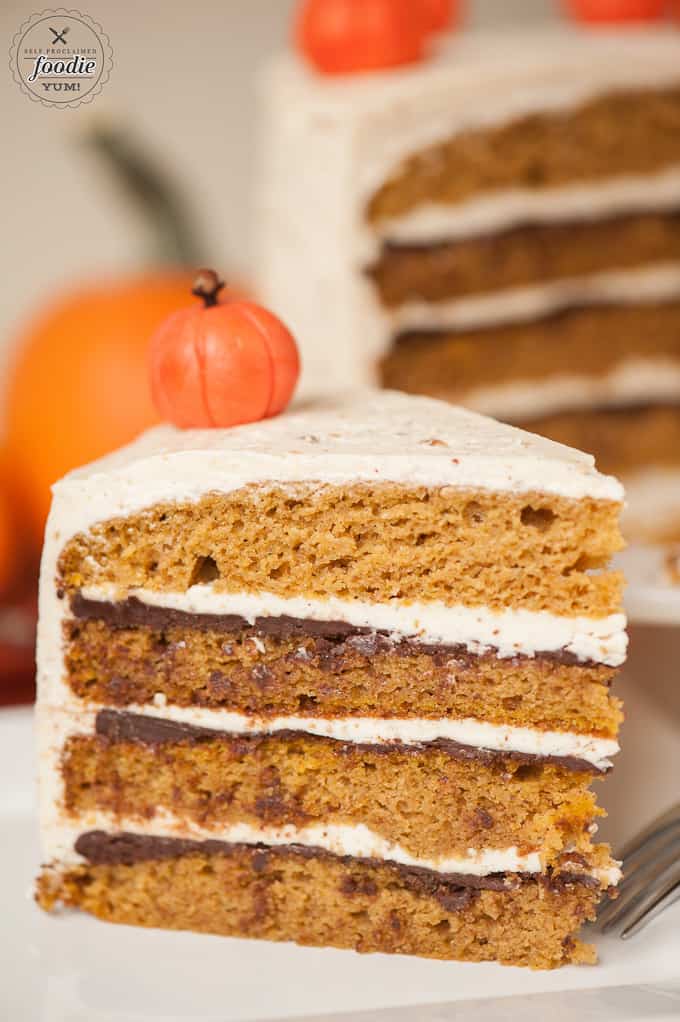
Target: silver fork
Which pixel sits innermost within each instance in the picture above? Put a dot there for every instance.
(651, 877)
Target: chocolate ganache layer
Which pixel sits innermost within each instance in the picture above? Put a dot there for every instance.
(121, 726)
(453, 890)
(134, 613)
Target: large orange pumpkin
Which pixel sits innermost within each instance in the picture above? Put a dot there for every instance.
(79, 386)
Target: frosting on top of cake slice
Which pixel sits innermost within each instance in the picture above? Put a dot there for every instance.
(374, 436)
(473, 80)
(475, 63)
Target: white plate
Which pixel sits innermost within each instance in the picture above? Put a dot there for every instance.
(650, 598)
(72, 968)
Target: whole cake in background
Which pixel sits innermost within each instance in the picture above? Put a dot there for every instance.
(498, 226)
(339, 677)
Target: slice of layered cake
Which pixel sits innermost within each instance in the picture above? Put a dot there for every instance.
(341, 677)
(499, 227)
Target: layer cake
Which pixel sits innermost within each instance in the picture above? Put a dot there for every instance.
(498, 227)
(341, 677)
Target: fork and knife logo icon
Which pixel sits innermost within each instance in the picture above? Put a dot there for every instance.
(58, 36)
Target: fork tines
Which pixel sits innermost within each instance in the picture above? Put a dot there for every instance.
(651, 868)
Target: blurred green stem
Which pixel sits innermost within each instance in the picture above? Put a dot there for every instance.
(174, 240)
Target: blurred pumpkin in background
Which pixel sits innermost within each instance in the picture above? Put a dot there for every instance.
(78, 387)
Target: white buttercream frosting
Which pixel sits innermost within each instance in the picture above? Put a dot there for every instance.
(476, 734)
(338, 838)
(506, 633)
(633, 381)
(341, 839)
(658, 282)
(473, 733)
(431, 222)
(365, 436)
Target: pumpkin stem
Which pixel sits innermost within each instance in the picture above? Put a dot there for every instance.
(207, 285)
(146, 184)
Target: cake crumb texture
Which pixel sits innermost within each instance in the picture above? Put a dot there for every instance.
(373, 543)
(633, 131)
(522, 256)
(424, 798)
(278, 895)
(268, 676)
(453, 364)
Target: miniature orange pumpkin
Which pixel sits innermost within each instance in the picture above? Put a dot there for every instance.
(78, 387)
(339, 36)
(221, 364)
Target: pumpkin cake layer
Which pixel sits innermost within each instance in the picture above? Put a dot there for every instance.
(629, 132)
(121, 657)
(376, 543)
(528, 254)
(562, 353)
(363, 649)
(438, 800)
(268, 893)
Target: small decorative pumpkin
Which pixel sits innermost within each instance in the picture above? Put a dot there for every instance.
(222, 364)
(601, 11)
(340, 36)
